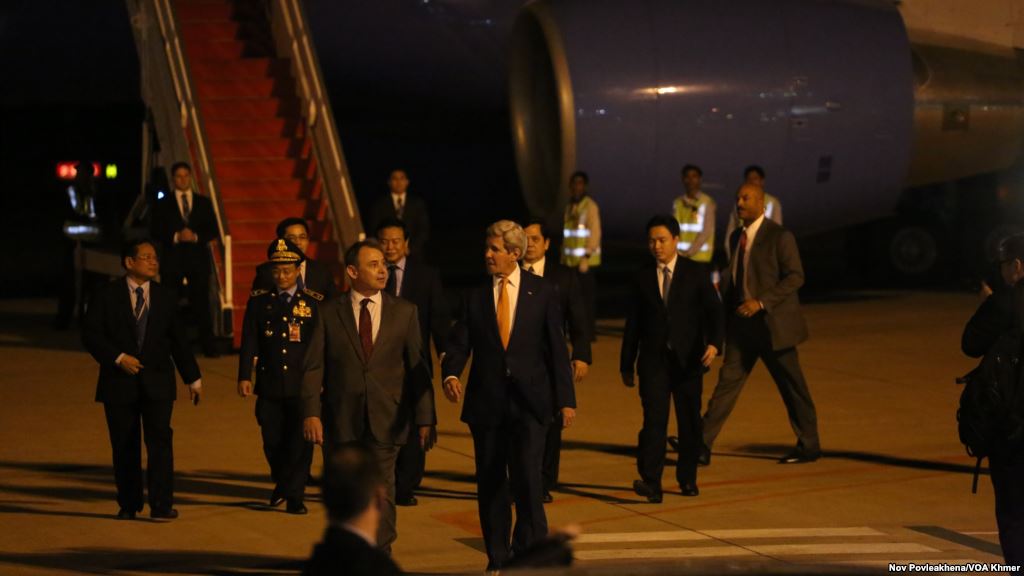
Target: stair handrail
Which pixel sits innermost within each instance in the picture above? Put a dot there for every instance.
(291, 37)
(191, 126)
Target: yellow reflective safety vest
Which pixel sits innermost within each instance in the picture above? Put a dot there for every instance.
(576, 235)
(693, 219)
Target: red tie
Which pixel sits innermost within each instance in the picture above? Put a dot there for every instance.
(366, 330)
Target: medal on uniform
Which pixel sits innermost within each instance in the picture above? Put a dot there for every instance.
(294, 332)
(301, 310)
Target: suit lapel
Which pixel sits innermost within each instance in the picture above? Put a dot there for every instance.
(387, 319)
(523, 300)
(348, 321)
(124, 303)
(491, 311)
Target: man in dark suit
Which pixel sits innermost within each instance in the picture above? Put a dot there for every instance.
(512, 326)
(366, 356)
(406, 207)
(184, 224)
(276, 332)
(675, 325)
(759, 288)
(313, 274)
(577, 324)
(353, 494)
(132, 329)
(412, 279)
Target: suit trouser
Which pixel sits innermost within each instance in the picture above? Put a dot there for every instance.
(152, 420)
(409, 466)
(513, 447)
(685, 391)
(287, 452)
(552, 453)
(1008, 485)
(749, 340)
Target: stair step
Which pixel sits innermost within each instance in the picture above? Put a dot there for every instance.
(273, 168)
(214, 50)
(250, 129)
(275, 210)
(256, 251)
(240, 88)
(253, 229)
(290, 189)
(209, 30)
(266, 148)
(203, 11)
(209, 69)
(251, 108)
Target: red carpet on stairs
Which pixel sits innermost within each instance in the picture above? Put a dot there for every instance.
(263, 165)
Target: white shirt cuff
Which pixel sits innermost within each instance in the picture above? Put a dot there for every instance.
(120, 357)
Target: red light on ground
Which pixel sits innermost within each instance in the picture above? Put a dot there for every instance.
(68, 170)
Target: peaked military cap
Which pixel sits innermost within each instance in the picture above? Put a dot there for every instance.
(283, 251)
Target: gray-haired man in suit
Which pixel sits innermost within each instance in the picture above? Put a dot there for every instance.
(760, 287)
(366, 355)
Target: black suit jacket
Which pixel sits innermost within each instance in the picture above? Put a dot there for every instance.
(188, 259)
(415, 217)
(421, 285)
(692, 320)
(318, 279)
(342, 553)
(109, 331)
(570, 299)
(536, 362)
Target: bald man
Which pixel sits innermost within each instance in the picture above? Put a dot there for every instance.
(759, 291)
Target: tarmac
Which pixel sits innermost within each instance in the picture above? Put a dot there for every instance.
(893, 486)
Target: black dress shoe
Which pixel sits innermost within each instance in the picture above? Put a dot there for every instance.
(275, 500)
(644, 489)
(548, 498)
(297, 508)
(799, 457)
(689, 489)
(125, 514)
(163, 514)
(704, 455)
(407, 501)
(673, 443)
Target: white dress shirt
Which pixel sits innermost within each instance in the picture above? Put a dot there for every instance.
(512, 291)
(661, 274)
(751, 232)
(376, 301)
(537, 267)
(132, 285)
(398, 201)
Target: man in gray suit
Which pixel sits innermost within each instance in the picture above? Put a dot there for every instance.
(760, 287)
(365, 354)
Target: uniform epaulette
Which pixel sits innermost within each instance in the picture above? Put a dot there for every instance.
(313, 294)
(258, 292)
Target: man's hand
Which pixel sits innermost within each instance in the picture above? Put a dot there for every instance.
(584, 264)
(709, 355)
(195, 392)
(568, 416)
(749, 308)
(187, 235)
(627, 379)
(313, 430)
(428, 437)
(130, 364)
(452, 389)
(579, 371)
(244, 388)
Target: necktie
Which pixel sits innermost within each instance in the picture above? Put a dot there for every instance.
(741, 253)
(666, 283)
(400, 207)
(141, 316)
(186, 208)
(366, 330)
(285, 298)
(529, 268)
(504, 313)
(392, 285)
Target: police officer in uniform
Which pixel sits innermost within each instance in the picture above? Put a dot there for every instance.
(277, 328)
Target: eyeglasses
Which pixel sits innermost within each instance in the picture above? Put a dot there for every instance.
(296, 237)
(147, 257)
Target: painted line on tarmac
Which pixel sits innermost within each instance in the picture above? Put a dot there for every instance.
(750, 534)
(671, 536)
(775, 550)
(841, 548)
(656, 553)
(959, 538)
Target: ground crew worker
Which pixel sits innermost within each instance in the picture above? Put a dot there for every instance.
(695, 212)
